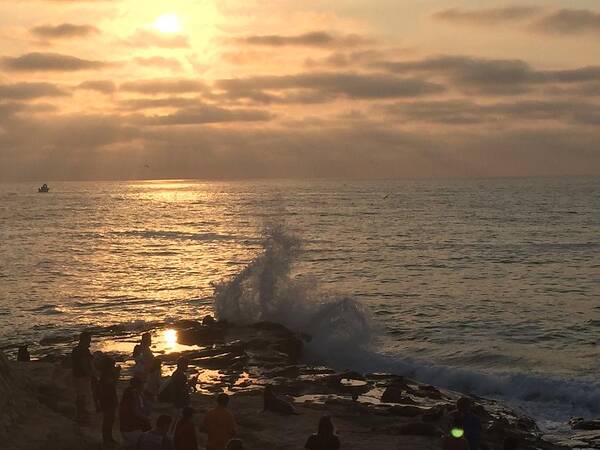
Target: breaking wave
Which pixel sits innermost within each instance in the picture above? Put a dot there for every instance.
(265, 291)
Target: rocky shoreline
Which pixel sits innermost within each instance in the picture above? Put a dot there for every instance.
(372, 410)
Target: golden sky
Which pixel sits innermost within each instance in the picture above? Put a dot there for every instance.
(121, 89)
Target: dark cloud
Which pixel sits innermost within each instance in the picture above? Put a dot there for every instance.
(157, 86)
(464, 112)
(359, 86)
(29, 91)
(65, 30)
(149, 38)
(51, 62)
(486, 17)
(569, 22)
(205, 114)
(160, 61)
(103, 86)
(491, 76)
(313, 39)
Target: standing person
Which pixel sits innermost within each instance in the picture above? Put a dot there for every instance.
(152, 385)
(470, 422)
(219, 424)
(107, 395)
(83, 374)
(143, 356)
(180, 390)
(185, 431)
(157, 439)
(133, 420)
(325, 438)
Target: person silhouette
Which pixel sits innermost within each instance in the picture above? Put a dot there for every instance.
(470, 422)
(219, 424)
(107, 396)
(158, 438)
(83, 376)
(133, 420)
(23, 354)
(325, 437)
(185, 431)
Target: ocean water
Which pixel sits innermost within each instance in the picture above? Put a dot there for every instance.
(487, 286)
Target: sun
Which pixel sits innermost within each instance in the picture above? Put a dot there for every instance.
(168, 23)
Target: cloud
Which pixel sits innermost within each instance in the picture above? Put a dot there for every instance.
(312, 39)
(358, 86)
(51, 62)
(157, 86)
(569, 22)
(103, 86)
(30, 91)
(464, 112)
(136, 104)
(172, 64)
(205, 114)
(491, 76)
(65, 30)
(486, 17)
(144, 38)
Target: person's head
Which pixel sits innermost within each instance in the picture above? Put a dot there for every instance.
(187, 413)
(235, 444)
(463, 404)
(182, 364)
(511, 443)
(163, 423)
(223, 400)
(85, 339)
(325, 426)
(146, 339)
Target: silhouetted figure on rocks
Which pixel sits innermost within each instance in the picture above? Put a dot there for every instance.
(325, 438)
(83, 376)
(177, 390)
(470, 422)
(23, 354)
(143, 356)
(276, 404)
(185, 431)
(235, 444)
(219, 424)
(107, 396)
(157, 439)
(152, 384)
(133, 420)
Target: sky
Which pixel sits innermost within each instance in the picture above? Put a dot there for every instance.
(237, 89)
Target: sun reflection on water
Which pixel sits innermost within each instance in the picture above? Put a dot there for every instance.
(170, 338)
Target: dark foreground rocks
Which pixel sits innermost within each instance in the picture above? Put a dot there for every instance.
(370, 410)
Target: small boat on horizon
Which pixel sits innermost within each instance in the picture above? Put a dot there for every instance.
(44, 189)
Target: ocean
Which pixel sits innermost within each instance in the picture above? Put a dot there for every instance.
(489, 286)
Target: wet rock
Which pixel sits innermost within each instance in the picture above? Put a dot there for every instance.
(394, 394)
(408, 410)
(585, 424)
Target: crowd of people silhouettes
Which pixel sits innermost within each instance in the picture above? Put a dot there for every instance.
(144, 390)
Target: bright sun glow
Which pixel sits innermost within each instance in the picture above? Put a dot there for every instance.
(168, 23)
(170, 338)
